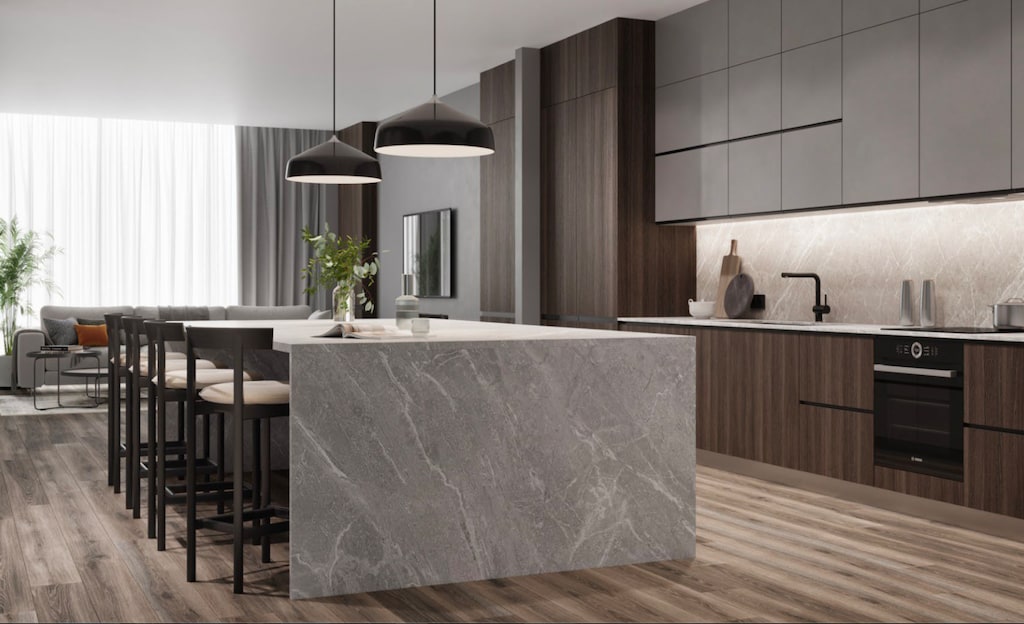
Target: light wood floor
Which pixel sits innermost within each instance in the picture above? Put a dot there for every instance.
(69, 551)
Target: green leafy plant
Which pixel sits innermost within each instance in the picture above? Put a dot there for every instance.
(23, 258)
(342, 262)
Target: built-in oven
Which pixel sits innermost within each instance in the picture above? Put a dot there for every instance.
(919, 406)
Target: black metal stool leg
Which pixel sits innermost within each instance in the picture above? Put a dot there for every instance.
(265, 457)
(237, 509)
(221, 458)
(129, 450)
(152, 434)
(257, 478)
(160, 468)
(190, 492)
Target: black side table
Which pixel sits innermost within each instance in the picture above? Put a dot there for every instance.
(60, 356)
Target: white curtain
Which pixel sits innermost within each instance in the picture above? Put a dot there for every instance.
(145, 212)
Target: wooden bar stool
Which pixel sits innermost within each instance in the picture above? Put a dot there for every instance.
(254, 401)
(167, 385)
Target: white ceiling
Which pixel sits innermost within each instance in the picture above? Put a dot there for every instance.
(267, 62)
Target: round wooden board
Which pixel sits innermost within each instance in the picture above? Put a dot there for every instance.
(738, 295)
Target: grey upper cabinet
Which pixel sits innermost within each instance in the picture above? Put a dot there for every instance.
(858, 14)
(692, 42)
(754, 29)
(1018, 93)
(880, 113)
(755, 175)
(812, 84)
(928, 5)
(692, 112)
(810, 21)
(812, 167)
(692, 184)
(965, 98)
(755, 97)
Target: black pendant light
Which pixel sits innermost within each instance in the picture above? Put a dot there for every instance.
(434, 129)
(333, 162)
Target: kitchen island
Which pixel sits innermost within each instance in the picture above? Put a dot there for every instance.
(484, 451)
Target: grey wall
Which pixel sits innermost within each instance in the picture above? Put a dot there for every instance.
(413, 185)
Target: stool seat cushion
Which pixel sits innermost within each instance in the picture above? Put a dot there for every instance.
(178, 379)
(265, 392)
(173, 365)
(171, 355)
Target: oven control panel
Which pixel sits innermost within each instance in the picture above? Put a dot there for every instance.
(924, 353)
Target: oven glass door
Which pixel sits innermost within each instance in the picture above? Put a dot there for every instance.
(920, 428)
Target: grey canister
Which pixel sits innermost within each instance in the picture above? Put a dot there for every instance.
(907, 303)
(928, 303)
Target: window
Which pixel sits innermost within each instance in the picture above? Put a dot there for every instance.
(146, 212)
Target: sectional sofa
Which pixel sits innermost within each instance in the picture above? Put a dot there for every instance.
(28, 340)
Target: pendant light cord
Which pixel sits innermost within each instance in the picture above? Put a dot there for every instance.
(334, 66)
(435, 48)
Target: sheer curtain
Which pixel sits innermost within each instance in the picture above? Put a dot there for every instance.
(146, 212)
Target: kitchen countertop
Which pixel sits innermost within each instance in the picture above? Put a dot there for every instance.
(826, 328)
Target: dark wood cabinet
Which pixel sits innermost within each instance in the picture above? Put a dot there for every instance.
(994, 471)
(837, 371)
(603, 256)
(830, 442)
(497, 196)
(994, 385)
(921, 485)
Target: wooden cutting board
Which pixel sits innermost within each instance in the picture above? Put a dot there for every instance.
(731, 265)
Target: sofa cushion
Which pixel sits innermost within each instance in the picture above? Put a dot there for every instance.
(61, 331)
(91, 335)
(266, 313)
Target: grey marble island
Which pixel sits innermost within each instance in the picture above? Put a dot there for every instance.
(485, 451)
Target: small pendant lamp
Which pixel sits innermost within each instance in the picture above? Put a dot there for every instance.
(333, 162)
(433, 129)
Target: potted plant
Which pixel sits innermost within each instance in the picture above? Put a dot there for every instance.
(343, 264)
(23, 256)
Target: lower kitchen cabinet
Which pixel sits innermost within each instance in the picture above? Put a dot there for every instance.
(921, 485)
(994, 385)
(830, 442)
(994, 471)
(837, 371)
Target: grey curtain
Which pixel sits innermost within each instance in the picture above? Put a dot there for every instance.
(272, 213)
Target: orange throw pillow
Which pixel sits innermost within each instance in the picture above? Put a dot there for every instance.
(91, 335)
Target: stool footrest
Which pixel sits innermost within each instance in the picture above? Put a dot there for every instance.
(177, 467)
(225, 522)
(211, 492)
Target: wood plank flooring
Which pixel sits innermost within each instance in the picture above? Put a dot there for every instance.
(70, 552)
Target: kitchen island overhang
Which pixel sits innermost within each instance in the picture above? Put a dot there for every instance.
(460, 457)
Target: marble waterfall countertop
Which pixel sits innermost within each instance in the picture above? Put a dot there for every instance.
(484, 451)
(826, 327)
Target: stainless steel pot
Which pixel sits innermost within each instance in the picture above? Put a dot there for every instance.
(1008, 314)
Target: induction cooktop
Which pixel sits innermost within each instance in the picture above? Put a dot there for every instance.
(954, 330)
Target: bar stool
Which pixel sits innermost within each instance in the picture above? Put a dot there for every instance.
(167, 385)
(139, 376)
(255, 401)
(116, 371)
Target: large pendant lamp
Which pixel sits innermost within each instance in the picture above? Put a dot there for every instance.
(434, 129)
(333, 162)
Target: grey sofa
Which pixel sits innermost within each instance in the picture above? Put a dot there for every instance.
(28, 340)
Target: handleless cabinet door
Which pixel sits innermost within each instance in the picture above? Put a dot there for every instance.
(965, 98)
(1017, 80)
(812, 167)
(812, 84)
(755, 175)
(692, 112)
(880, 113)
(692, 184)
(860, 14)
(692, 42)
(755, 97)
(754, 29)
(810, 21)
(994, 472)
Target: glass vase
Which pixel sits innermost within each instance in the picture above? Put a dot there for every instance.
(343, 303)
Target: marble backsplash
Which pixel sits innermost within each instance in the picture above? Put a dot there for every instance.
(974, 252)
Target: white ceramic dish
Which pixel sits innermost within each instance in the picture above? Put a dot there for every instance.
(702, 309)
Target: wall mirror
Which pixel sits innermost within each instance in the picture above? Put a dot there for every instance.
(429, 251)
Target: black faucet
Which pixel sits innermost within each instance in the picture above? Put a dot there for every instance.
(819, 309)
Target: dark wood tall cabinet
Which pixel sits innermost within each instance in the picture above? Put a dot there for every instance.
(497, 196)
(602, 256)
(357, 203)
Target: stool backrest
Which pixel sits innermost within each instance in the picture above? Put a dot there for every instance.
(113, 322)
(133, 331)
